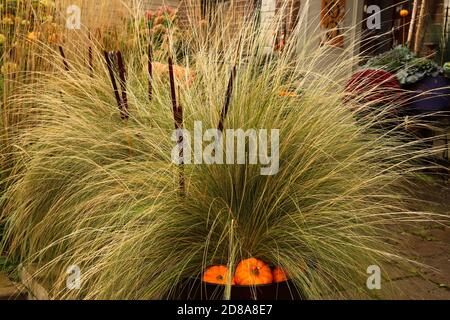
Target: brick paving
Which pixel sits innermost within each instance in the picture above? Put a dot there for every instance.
(429, 246)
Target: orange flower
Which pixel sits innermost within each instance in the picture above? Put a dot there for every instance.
(33, 36)
(284, 93)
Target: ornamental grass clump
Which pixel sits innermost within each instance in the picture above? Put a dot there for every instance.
(99, 191)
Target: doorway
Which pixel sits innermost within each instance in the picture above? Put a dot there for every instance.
(393, 30)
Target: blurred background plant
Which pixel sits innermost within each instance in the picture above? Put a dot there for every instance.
(408, 67)
(163, 31)
(23, 24)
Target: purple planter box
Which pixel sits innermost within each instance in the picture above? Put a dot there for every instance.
(430, 95)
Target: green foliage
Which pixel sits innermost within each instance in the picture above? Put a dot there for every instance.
(417, 69)
(406, 65)
(446, 68)
(391, 61)
(9, 267)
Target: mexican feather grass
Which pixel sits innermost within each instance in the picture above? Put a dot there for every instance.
(93, 190)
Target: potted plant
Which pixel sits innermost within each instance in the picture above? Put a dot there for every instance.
(114, 192)
(253, 279)
(430, 91)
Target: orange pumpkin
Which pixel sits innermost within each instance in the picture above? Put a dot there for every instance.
(216, 275)
(252, 272)
(279, 275)
(404, 13)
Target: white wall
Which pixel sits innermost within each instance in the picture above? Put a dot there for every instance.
(314, 7)
(351, 31)
(267, 16)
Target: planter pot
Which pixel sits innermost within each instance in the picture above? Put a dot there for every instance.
(195, 289)
(430, 95)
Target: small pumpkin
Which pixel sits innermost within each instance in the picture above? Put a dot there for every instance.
(404, 13)
(216, 275)
(250, 272)
(279, 275)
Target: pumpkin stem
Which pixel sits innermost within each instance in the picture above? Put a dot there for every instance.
(255, 271)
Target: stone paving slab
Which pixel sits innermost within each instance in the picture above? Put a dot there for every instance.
(414, 289)
(431, 247)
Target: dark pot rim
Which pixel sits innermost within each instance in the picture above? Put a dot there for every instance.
(245, 287)
(197, 289)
